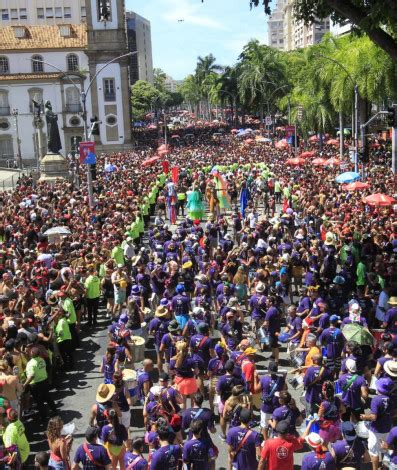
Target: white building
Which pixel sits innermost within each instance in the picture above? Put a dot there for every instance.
(275, 26)
(172, 85)
(140, 39)
(74, 52)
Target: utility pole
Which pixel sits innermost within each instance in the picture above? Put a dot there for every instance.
(356, 128)
(15, 113)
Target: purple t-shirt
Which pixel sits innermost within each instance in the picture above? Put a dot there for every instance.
(195, 414)
(167, 457)
(196, 454)
(392, 443)
(160, 328)
(258, 306)
(142, 378)
(99, 454)
(201, 345)
(382, 361)
(381, 407)
(304, 304)
(313, 389)
(225, 385)
(180, 304)
(332, 339)
(273, 317)
(114, 435)
(233, 335)
(352, 396)
(246, 458)
(216, 366)
(169, 342)
(343, 453)
(312, 462)
(268, 383)
(129, 458)
(285, 413)
(295, 325)
(391, 320)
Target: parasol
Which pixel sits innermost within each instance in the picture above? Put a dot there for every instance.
(356, 186)
(379, 199)
(319, 161)
(348, 177)
(60, 230)
(332, 142)
(358, 333)
(295, 161)
(150, 161)
(332, 162)
(308, 153)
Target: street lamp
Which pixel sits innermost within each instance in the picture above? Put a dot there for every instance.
(15, 113)
(355, 107)
(83, 96)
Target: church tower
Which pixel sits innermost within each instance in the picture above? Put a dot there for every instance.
(110, 95)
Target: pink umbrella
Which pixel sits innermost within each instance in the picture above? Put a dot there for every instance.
(319, 161)
(332, 142)
(332, 162)
(356, 186)
(309, 153)
(281, 144)
(295, 161)
(150, 161)
(379, 200)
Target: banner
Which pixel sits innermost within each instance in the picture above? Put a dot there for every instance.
(166, 166)
(87, 153)
(175, 174)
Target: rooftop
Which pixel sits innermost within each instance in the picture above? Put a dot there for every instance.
(42, 37)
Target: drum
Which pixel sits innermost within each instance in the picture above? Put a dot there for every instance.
(144, 330)
(263, 336)
(137, 346)
(338, 389)
(129, 378)
(284, 337)
(297, 359)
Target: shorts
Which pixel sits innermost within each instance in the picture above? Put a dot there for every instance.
(273, 341)
(374, 442)
(126, 419)
(119, 297)
(265, 419)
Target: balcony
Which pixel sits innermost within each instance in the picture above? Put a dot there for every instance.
(5, 111)
(73, 108)
(109, 96)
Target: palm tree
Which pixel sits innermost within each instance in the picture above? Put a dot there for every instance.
(206, 70)
(227, 91)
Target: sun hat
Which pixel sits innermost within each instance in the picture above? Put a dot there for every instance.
(351, 366)
(384, 386)
(161, 312)
(392, 301)
(156, 390)
(105, 392)
(173, 326)
(260, 287)
(348, 430)
(390, 368)
(314, 440)
(329, 239)
(250, 351)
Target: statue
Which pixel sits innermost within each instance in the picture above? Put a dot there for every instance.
(54, 141)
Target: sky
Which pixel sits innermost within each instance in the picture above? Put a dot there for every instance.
(220, 27)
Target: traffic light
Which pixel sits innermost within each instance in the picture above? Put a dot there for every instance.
(392, 116)
(94, 125)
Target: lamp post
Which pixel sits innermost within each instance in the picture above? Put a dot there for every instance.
(83, 96)
(15, 113)
(355, 108)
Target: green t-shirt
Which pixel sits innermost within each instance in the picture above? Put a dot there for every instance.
(62, 330)
(68, 306)
(360, 273)
(36, 368)
(118, 255)
(15, 435)
(277, 187)
(93, 286)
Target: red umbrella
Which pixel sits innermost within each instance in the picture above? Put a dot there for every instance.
(150, 161)
(319, 161)
(295, 161)
(332, 162)
(356, 186)
(281, 144)
(308, 153)
(314, 138)
(332, 142)
(379, 199)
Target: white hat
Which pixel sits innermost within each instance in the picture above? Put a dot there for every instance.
(351, 366)
(314, 439)
(260, 287)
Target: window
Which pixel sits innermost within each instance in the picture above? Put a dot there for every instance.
(35, 94)
(109, 91)
(23, 15)
(67, 12)
(37, 64)
(4, 65)
(58, 12)
(4, 14)
(72, 100)
(19, 32)
(14, 14)
(83, 12)
(104, 10)
(49, 13)
(40, 13)
(4, 104)
(6, 146)
(64, 30)
(72, 63)
(111, 120)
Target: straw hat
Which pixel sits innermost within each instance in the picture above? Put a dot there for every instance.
(161, 312)
(392, 301)
(314, 440)
(105, 392)
(390, 368)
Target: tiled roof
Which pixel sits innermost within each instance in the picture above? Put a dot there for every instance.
(43, 37)
(28, 76)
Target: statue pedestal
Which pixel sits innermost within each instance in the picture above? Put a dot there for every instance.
(54, 166)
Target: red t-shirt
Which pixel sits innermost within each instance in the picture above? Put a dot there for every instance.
(279, 452)
(248, 370)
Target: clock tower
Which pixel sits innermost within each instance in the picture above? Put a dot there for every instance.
(110, 93)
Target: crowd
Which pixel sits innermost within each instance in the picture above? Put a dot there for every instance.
(285, 260)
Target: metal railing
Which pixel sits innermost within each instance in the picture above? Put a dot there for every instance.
(5, 111)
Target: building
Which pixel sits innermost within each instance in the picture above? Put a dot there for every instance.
(275, 26)
(53, 58)
(172, 85)
(139, 39)
(296, 34)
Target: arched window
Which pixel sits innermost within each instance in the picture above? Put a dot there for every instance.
(37, 64)
(4, 104)
(73, 104)
(72, 63)
(4, 65)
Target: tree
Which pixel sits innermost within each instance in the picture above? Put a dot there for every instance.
(377, 18)
(191, 92)
(159, 78)
(205, 75)
(143, 98)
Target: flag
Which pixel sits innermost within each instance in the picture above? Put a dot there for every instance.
(166, 166)
(175, 174)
